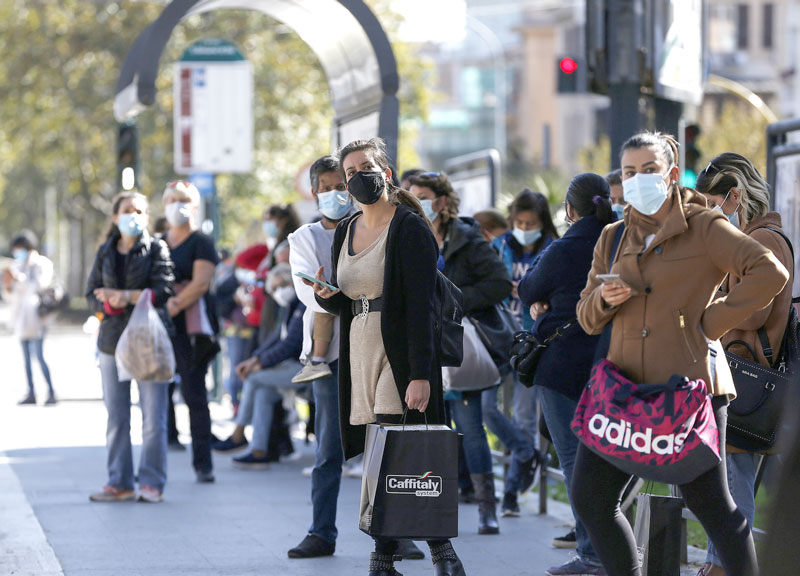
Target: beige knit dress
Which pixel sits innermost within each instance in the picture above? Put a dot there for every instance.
(373, 390)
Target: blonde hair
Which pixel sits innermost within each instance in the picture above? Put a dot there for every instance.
(730, 170)
(184, 189)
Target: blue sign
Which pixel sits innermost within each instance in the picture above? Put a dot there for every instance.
(204, 182)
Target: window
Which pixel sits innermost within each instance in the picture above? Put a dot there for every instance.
(722, 28)
(743, 23)
(767, 21)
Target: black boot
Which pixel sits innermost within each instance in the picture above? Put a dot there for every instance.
(445, 561)
(383, 564)
(487, 503)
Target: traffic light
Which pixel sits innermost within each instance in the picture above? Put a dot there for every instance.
(127, 156)
(571, 74)
(691, 155)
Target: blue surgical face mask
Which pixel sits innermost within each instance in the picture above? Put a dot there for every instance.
(619, 210)
(645, 192)
(335, 204)
(20, 254)
(527, 237)
(132, 224)
(427, 207)
(269, 228)
(733, 218)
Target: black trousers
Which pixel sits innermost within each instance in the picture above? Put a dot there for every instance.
(597, 488)
(193, 389)
(388, 545)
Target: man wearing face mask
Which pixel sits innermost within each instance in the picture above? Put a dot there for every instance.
(268, 371)
(618, 203)
(311, 250)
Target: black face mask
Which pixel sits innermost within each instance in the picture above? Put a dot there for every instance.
(366, 187)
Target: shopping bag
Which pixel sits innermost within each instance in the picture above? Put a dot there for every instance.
(144, 351)
(477, 371)
(658, 534)
(409, 488)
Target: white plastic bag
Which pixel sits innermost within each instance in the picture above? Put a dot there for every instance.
(144, 351)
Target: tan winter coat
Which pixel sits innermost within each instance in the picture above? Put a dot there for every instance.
(657, 332)
(773, 317)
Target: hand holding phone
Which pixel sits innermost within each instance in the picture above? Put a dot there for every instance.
(308, 278)
(612, 279)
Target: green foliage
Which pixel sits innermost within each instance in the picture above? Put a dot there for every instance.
(595, 157)
(738, 128)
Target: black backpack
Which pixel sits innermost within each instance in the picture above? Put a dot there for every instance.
(448, 311)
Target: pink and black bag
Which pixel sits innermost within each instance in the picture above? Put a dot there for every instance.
(661, 432)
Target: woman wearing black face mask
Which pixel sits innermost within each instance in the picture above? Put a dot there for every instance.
(385, 254)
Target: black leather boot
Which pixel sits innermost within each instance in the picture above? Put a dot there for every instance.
(445, 561)
(487, 503)
(383, 564)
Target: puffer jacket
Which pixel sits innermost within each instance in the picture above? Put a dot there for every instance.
(474, 266)
(664, 328)
(148, 265)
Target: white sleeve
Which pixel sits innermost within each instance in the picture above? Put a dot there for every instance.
(303, 258)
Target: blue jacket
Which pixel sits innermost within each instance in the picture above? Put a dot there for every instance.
(277, 349)
(510, 251)
(557, 277)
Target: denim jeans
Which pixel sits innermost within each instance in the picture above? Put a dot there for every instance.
(29, 348)
(558, 411)
(327, 474)
(239, 349)
(742, 468)
(259, 396)
(510, 434)
(468, 416)
(153, 403)
(525, 416)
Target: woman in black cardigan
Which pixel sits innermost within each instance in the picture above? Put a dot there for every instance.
(390, 228)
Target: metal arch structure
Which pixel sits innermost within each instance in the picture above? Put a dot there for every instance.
(358, 61)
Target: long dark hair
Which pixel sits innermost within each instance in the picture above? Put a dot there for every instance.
(286, 218)
(590, 194)
(375, 148)
(527, 201)
(440, 185)
(116, 203)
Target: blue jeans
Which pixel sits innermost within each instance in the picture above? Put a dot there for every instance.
(239, 349)
(468, 416)
(259, 396)
(525, 416)
(510, 434)
(29, 348)
(558, 411)
(153, 403)
(742, 470)
(327, 474)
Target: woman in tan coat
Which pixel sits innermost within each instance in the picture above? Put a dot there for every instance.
(733, 186)
(673, 255)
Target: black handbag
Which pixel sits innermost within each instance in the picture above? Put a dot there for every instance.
(496, 327)
(527, 350)
(448, 312)
(754, 415)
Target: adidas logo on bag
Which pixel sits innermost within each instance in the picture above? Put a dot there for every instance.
(424, 486)
(618, 433)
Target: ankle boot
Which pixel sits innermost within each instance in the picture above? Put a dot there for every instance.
(383, 564)
(445, 561)
(487, 503)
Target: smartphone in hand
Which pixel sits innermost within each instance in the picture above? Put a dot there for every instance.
(612, 279)
(310, 278)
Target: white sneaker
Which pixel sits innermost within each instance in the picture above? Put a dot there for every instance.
(307, 471)
(312, 372)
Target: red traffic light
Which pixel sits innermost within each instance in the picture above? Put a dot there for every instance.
(568, 65)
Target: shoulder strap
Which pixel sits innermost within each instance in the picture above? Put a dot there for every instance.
(615, 244)
(784, 236)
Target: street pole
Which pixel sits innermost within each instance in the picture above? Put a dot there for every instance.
(624, 37)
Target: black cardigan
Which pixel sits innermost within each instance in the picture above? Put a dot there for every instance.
(406, 319)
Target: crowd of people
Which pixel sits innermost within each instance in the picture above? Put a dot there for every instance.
(338, 311)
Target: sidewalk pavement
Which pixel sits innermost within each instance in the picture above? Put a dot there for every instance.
(52, 458)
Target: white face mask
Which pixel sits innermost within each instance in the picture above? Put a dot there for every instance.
(645, 192)
(283, 296)
(178, 213)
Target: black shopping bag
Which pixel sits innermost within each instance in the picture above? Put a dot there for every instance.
(409, 488)
(658, 534)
